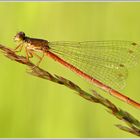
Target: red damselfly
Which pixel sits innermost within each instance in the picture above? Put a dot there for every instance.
(103, 63)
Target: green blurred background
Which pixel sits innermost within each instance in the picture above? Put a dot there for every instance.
(33, 107)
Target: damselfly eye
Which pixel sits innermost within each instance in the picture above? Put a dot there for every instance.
(19, 36)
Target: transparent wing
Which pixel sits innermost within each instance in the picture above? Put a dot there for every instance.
(107, 61)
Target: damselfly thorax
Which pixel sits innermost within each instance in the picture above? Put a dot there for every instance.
(32, 44)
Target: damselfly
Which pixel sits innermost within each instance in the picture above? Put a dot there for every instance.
(103, 63)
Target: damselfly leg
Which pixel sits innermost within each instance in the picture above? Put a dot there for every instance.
(39, 57)
(19, 48)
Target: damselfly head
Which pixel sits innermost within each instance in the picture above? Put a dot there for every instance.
(19, 36)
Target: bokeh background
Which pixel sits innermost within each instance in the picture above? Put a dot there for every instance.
(33, 107)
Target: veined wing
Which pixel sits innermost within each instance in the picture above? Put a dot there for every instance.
(106, 61)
